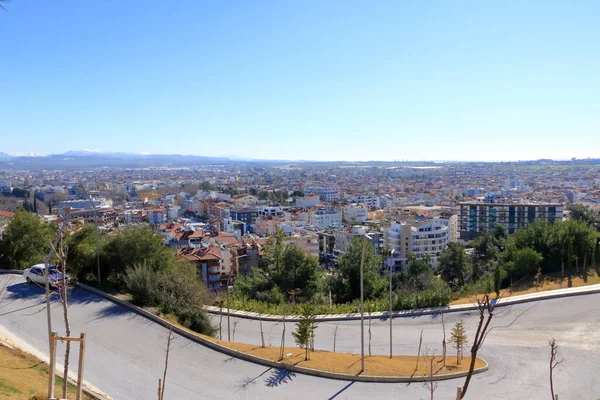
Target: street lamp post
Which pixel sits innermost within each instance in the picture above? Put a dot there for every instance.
(362, 310)
(392, 263)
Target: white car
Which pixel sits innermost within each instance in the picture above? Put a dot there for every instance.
(35, 274)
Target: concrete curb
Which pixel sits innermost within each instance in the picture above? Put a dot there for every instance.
(274, 364)
(549, 294)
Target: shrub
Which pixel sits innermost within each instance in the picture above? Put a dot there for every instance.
(142, 283)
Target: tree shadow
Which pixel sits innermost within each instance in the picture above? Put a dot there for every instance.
(341, 390)
(247, 382)
(278, 377)
(81, 296)
(110, 312)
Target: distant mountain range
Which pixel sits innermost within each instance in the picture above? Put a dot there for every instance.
(88, 159)
(83, 159)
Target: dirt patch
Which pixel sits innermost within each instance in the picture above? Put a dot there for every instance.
(23, 377)
(346, 363)
(548, 283)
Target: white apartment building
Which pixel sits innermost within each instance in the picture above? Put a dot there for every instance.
(325, 219)
(418, 238)
(308, 201)
(451, 221)
(309, 243)
(325, 193)
(355, 212)
(367, 199)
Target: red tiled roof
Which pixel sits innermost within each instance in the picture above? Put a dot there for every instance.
(6, 214)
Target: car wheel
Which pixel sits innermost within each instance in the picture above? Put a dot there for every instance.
(29, 281)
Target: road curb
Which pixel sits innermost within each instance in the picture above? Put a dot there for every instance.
(274, 364)
(550, 294)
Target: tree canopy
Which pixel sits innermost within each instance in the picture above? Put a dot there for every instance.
(347, 284)
(25, 241)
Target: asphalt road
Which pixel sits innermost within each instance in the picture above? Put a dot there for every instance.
(125, 356)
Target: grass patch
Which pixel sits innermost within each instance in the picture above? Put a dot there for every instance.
(548, 282)
(22, 377)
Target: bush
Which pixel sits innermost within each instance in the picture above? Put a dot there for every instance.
(142, 283)
(175, 291)
(196, 320)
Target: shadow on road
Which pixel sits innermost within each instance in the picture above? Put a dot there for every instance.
(279, 377)
(251, 381)
(110, 312)
(342, 390)
(23, 290)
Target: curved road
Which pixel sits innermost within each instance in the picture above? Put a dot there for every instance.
(125, 358)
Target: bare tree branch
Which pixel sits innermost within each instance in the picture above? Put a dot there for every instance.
(418, 354)
(553, 364)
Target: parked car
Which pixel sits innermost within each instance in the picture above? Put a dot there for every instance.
(35, 274)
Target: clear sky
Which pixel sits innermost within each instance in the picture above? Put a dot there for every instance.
(320, 80)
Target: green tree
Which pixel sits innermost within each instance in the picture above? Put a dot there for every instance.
(297, 272)
(458, 339)
(254, 285)
(347, 283)
(206, 186)
(582, 213)
(82, 252)
(25, 241)
(525, 262)
(134, 245)
(454, 266)
(487, 248)
(274, 250)
(304, 334)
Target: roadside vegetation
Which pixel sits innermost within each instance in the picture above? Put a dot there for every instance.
(132, 260)
(135, 261)
(542, 256)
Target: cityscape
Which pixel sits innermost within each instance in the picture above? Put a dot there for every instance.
(299, 200)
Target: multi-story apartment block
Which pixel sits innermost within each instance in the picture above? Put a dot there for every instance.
(308, 201)
(475, 217)
(325, 193)
(270, 211)
(325, 219)
(355, 213)
(157, 216)
(367, 199)
(247, 216)
(309, 243)
(420, 238)
(451, 221)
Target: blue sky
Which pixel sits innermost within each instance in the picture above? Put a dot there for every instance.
(321, 80)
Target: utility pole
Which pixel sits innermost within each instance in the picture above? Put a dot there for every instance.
(228, 310)
(96, 223)
(362, 310)
(392, 263)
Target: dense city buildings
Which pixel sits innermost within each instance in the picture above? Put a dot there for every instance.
(413, 210)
